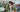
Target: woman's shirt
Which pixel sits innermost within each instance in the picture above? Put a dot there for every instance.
(11, 7)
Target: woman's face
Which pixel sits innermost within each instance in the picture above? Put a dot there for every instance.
(10, 3)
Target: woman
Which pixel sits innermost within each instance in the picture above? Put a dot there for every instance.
(11, 6)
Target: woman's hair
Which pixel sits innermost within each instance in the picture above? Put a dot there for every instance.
(11, 2)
